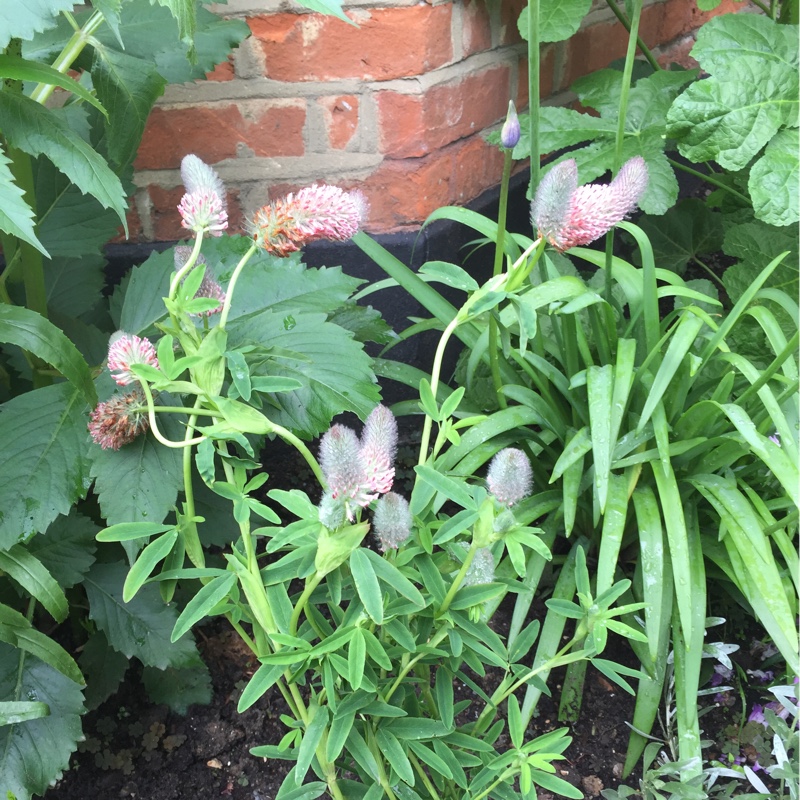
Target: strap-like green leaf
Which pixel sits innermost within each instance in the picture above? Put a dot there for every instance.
(34, 578)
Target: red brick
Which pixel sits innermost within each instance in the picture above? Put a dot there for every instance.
(478, 165)
(509, 15)
(388, 43)
(413, 125)
(477, 28)
(273, 128)
(402, 193)
(167, 222)
(134, 225)
(222, 72)
(341, 119)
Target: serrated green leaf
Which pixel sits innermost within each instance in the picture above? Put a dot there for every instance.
(103, 667)
(43, 462)
(128, 87)
(12, 713)
(730, 116)
(23, 20)
(36, 130)
(774, 179)
(138, 299)
(37, 335)
(26, 766)
(66, 548)
(688, 230)
(16, 216)
(140, 628)
(558, 20)
(179, 688)
(140, 481)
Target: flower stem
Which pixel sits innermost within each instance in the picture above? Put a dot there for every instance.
(311, 584)
(300, 446)
(534, 68)
(151, 414)
(458, 580)
(187, 267)
(646, 52)
(226, 307)
(191, 539)
(712, 180)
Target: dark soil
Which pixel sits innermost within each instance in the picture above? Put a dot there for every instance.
(134, 749)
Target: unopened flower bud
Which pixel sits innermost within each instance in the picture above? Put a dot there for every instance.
(504, 521)
(118, 421)
(510, 132)
(126, 349)
(340, 459)
(332, 512)
(392, 520)
(379, 448)
(510, 476)
(481, 570)
(204, 206)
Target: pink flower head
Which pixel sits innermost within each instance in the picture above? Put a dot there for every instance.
(208, 287)
(510, 477)
(316, 212)
(392, 521)
(568, 215)
(119, 421)
(203, 207)
(126, 349)
(379, 448)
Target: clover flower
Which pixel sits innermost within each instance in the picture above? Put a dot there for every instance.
(125, 350)
(203, 207)
(509, 477)
(208, 286)
(316, 212)
(510, 132)
(358, 471)
(392, 520)
(118, 421)
(481, 570)
(568, 215)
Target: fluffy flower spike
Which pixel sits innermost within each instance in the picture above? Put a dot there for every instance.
(392, 521)
(208, 287)
(379, 448)
(203, 207)
(118, 421)
(126, 349)
(510, 476)
(316, 212)
(568, 215)
(481, 570)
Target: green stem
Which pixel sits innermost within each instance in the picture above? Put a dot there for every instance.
(646, 52)
(622, 118)
(534, 68)
(300, 446)
(191, 539)
(423, 776)
(710, 179)
(67, 57)
(187, 267)
(502, 779)
(441, 633)
(311, 584)
(711, 274)
(151, 414)
(226, 306)
(183, 410)
(457, 581)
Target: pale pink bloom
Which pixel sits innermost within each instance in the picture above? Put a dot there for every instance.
(568, 215)
(392, 521)
(203, 207)
(118, 421)
(208, 286)
(126, 349)
(316, 212)
(343, 468)
(510, 476)
(379, 448)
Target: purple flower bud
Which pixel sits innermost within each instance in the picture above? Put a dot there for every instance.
(510, 132)
(340, 459)
(203, 207)
(392, 520)
(379, 448)
(568, 215)
(126, 349)
(509, 477)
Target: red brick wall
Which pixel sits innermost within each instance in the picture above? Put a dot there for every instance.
(396, 106)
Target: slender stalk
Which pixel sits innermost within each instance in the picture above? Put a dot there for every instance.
(442, 632)
(423, 777)
(226, 306)
(191, 539)
(534, 68)
(622, 118)
(458, 580)
(711, 274)
(151, 414)
(489, 789)
(203, 412)
(187, 267)
(71, 51)
(311, 584)
(300, 446)
(646, 52)
(710, 179)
